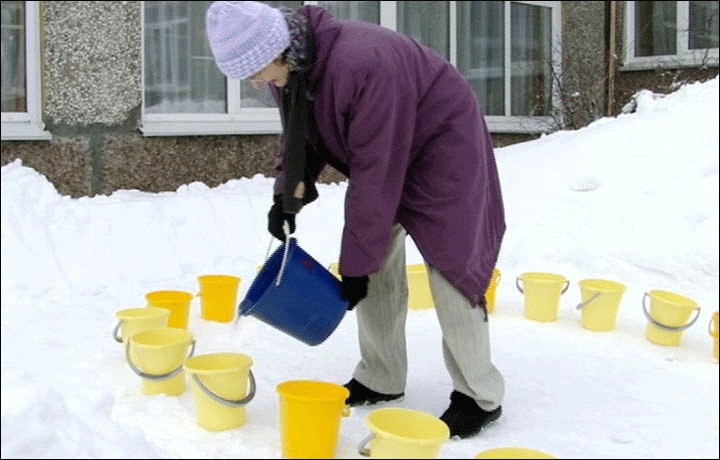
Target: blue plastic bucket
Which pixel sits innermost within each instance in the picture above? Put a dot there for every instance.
(302, 300)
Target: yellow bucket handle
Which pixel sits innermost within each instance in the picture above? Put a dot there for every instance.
(229, 402)
(115, 332)
(664, 326)
(153, 376)
(713, 333)
(362, 447)
(517, 284)
(582, 305)
(496, 278)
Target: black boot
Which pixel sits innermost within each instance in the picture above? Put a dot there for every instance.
(360, 395)
(465, 418)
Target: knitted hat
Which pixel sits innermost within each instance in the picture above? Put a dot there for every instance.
(245, 36)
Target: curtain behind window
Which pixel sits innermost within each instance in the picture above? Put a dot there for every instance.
(703, 25)
(362, 11)
(180, 72)
(181, 75)
(531, 66)
(655, 28)
(481, 50)
(13, 57)
(426, 22)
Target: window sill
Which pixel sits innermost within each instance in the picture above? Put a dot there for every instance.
(671, 62)
(209, 128)
(24, 132)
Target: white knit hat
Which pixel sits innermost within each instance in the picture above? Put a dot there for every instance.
(245, 36)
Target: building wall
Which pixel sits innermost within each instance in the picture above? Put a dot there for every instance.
(583, 85)
(92, 99)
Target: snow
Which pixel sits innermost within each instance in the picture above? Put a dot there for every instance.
(632, 198)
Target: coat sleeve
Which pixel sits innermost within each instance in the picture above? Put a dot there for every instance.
(379, 124)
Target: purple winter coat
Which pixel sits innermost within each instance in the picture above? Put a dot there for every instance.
(408, 127)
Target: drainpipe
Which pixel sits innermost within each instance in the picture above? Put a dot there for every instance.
(611, 58)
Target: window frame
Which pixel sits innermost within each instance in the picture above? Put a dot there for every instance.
(515, 124)
(685, 57)
(29, 126)
(267, 120)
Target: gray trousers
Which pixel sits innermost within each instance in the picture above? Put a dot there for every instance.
(381, 318)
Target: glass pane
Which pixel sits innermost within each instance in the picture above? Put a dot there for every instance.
(251, 97)
(180, 73)
(480, 51)
(655, 28)
(363, 11)
(703, 25)
(531, 66)
(426, 22)
(13, 57)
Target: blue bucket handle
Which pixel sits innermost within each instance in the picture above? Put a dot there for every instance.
(283, 265)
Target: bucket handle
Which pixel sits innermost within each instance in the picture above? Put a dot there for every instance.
(517, 284)
(497, 277)
(362, 447)
(229, 402)
(153, 376)
(582, 305)
(115, 332)
(666, 327)
(288, 235)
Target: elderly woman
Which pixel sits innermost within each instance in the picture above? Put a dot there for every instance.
(405, 128)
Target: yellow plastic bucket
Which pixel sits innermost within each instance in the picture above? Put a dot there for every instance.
(333, 268)
(178, 302)
(310, 415)
(668, 316)
(396, 432)
(541, 292)
(132, 320)
(713, 331)
(218, 297)
(419, 295)
(157, 355)
(492, 287)
(599, 303)
(223, 384)
(513, 452)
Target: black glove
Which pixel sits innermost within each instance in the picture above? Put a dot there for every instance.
(276, 219)
(353, 289)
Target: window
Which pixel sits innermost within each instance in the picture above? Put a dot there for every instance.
(505, 49)
(671, 34)
(21, 101)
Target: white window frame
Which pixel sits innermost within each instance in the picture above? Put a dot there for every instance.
(514, 124)
(684, 58)
(28, 126)
(267, 120)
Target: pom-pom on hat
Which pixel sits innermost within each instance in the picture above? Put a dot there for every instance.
(245, 36)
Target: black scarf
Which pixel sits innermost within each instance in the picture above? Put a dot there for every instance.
(299, 189)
